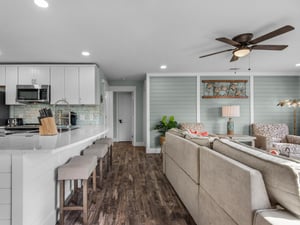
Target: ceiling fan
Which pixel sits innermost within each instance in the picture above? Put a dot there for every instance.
(243, 43)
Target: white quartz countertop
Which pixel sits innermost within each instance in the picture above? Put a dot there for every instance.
(33, 142)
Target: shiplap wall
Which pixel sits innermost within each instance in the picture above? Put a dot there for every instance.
(171, 96)
(268, 91)
(178, 96)
(211, 110)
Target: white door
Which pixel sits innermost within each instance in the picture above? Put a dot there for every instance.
(124, 116)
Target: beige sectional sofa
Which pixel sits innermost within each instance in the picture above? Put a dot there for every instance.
(222, 182)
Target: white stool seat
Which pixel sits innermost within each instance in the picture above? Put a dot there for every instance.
(79, 167)
(98, 149)
(106, 140)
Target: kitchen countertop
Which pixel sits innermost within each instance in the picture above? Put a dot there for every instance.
(33, 142)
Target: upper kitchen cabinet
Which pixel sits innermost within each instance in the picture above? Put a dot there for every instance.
(34, 74)
(78, 84)
(72, 85)
(11, 79)
(2, 75)
(57, 74)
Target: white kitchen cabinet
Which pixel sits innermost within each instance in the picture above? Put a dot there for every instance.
(76, 84)
(72, 84)
(34, 75)
(87, 85)
(2, 75)
(57, 83)
(11, 81)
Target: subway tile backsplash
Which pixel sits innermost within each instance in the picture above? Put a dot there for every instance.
(86, 114)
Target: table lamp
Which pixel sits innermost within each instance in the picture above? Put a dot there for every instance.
(230, 111)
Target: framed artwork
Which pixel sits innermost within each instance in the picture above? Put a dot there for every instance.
(225, 89)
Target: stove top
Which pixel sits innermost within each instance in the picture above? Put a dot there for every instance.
(23, 127)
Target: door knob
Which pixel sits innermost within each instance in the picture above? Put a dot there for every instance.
(120, 121)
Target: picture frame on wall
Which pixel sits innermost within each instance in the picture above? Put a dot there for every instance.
(225, 89)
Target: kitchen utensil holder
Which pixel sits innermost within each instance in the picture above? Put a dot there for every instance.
(47, 127)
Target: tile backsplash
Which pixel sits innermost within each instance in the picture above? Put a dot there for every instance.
(86, 114)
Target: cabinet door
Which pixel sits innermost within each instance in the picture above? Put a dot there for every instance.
(2, 75)
(11, 80)
(72, 84)
(87, 84)
(34, 75)
(57, 84)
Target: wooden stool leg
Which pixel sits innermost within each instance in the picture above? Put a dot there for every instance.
(62, 201)
(94, 180)
(110, 155)
(107, 162)
(100, 172)
(85, 203)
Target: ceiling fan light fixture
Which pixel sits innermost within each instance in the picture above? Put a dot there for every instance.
(241, 52)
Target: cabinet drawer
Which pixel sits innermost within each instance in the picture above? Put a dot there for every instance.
(5, 180)
(5, 163)
(5, 196)
(5, 212)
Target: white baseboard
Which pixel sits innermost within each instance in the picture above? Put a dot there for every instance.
(153, 150)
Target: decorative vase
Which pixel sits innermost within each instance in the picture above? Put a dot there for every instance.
(162, 139)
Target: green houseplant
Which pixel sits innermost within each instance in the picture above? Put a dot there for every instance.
(164, 125)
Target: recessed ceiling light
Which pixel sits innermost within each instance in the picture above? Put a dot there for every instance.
(41, 3)
(85, 53)
(298, 64)
(163, 67)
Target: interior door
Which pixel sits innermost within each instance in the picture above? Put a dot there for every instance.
(124, 116)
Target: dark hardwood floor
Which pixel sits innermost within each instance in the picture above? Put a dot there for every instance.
(135, 192)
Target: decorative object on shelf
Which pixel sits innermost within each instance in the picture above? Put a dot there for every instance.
(230, 111)
(225, 88)
(294, 103)
(164, 125)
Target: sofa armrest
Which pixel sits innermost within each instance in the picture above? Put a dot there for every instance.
(263, 142)
(274, 217)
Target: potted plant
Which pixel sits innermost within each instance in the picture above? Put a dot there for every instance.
(164, 125)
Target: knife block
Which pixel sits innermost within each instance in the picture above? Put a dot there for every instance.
(48, 127)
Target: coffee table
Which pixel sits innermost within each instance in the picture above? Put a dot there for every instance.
(240, 138)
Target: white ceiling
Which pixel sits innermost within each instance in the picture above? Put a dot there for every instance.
(128, 38)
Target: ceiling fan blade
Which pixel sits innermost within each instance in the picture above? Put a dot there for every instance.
(269, 47)
(228, 41)
(227, 50)
(234, 58)
(272, 34)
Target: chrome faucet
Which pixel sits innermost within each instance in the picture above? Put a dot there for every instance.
(59, 116)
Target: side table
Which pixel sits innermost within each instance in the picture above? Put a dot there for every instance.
(239, 138)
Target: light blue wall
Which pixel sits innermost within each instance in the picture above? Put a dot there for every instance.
(139, 103)
(177, 96)
(211, 109)
(171, 96)
(268, 91)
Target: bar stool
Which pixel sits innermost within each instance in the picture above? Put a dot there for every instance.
(100, 150)
(110, 143)
(78, 168)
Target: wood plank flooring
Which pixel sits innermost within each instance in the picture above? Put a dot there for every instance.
(135, 192)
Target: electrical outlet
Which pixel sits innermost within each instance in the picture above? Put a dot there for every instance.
(91, 116)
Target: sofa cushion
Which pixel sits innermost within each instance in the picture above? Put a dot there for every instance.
(281, 176)
(192, 126)
(185, 153)
(274, 217)
(293, 139)
(234, 187)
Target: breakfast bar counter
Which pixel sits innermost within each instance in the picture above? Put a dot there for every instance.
(28, 171)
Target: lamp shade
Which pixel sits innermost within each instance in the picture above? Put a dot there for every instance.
(231, 111)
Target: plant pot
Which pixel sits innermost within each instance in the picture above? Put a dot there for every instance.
(162, 139)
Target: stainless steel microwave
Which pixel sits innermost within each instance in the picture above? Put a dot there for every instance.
(33, 93)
